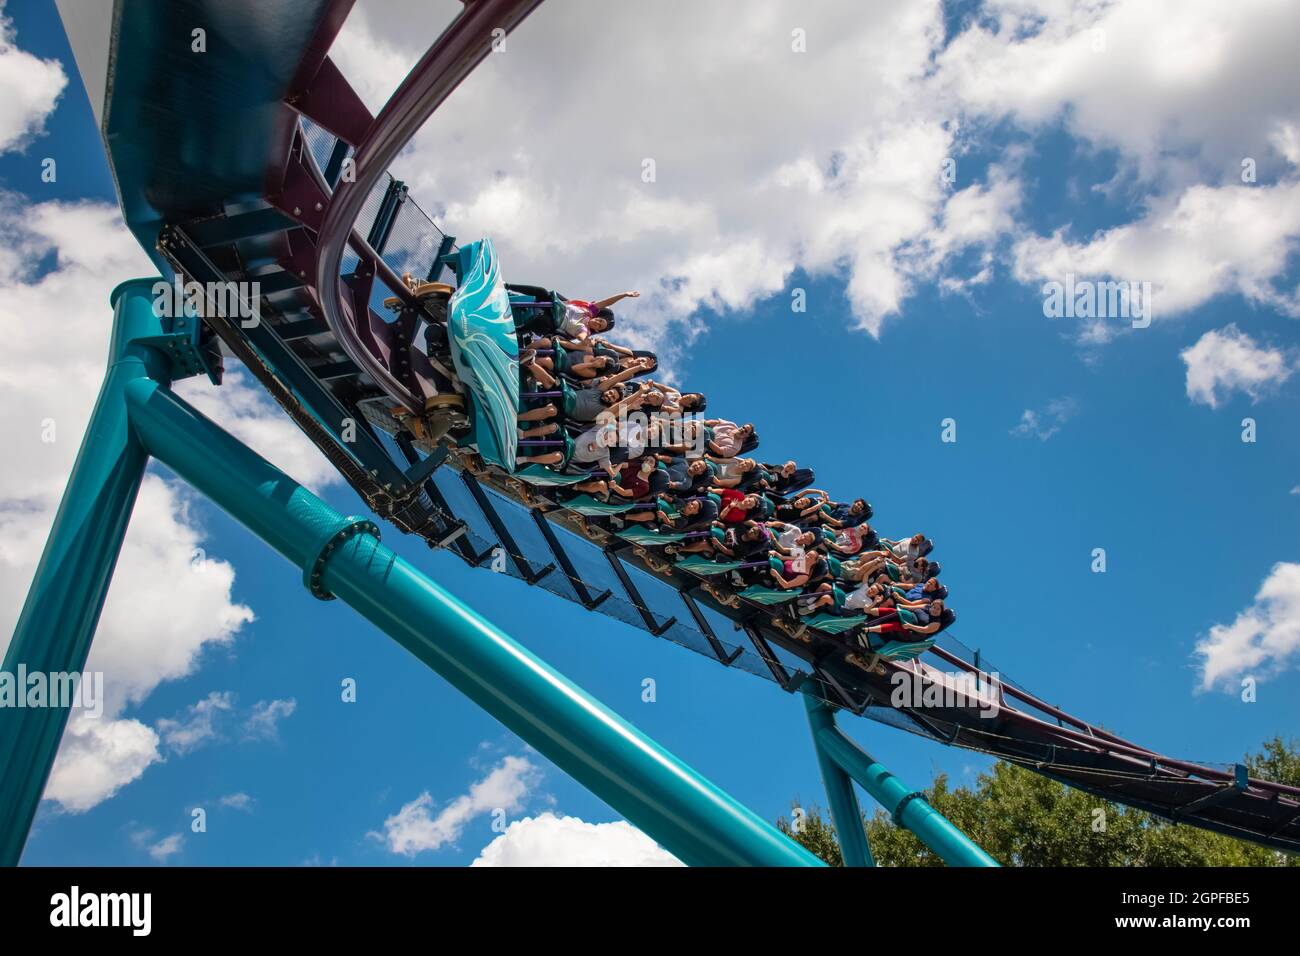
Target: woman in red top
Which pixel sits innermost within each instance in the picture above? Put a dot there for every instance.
(736, 506)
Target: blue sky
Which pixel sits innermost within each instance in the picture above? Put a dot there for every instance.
(1193, 521)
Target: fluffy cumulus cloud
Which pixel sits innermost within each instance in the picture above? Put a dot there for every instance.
(1177, 87)
(31, 87)
(550, 840)
(614, 168)
(166, 848)
(97, 758)
(1228, 360)
(48, 384)
(1262, 641)
(747, 188)
(1199, 243)
(1188, 95)
(58, 264)
(416, 827)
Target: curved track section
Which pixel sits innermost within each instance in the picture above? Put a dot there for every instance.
(444, 65)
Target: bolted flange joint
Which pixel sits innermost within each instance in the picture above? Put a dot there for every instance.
(902, 804)
(313, 572)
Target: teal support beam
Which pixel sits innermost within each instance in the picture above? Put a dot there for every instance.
(908, 807)
(58, 620)
(846, 814)
(341, 557)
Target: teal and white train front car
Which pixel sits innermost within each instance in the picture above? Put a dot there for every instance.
(485, 350)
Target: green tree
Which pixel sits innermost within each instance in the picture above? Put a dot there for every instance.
(1023, 819)
(814, 833)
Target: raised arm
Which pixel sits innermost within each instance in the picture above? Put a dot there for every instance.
(618, 378)
(621, 350)
(630, 402)
(614, 299)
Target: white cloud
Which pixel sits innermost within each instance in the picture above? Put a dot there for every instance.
(199, 724)
(752, 183)
(550, 840)
(238, 801)
(1178, 87)
(166, 848)
(97, 758)
(1043, 425)
(978, 214)
(747, 187)
(1262, 641)
(55, 321)
(263, 721)
(416, 828)
(147, 633)
(1185, 91)
(29, 89)
(1229, 360)
(243, 409)
(161, 850)
(1204, 242)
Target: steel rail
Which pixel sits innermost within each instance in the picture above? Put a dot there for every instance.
(364, 250)
(1101, 739)
(451, 58)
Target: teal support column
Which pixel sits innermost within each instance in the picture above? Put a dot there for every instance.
(909, 807)
(343, 557)
(58, 620)
(846, 814)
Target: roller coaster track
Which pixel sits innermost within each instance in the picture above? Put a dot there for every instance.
(355, 382)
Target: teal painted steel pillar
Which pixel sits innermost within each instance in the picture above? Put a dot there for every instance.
(58, 620)
(684, 812)
(908, 807)
(846, 814)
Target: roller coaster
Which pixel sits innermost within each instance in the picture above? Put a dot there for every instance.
(257, 168)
